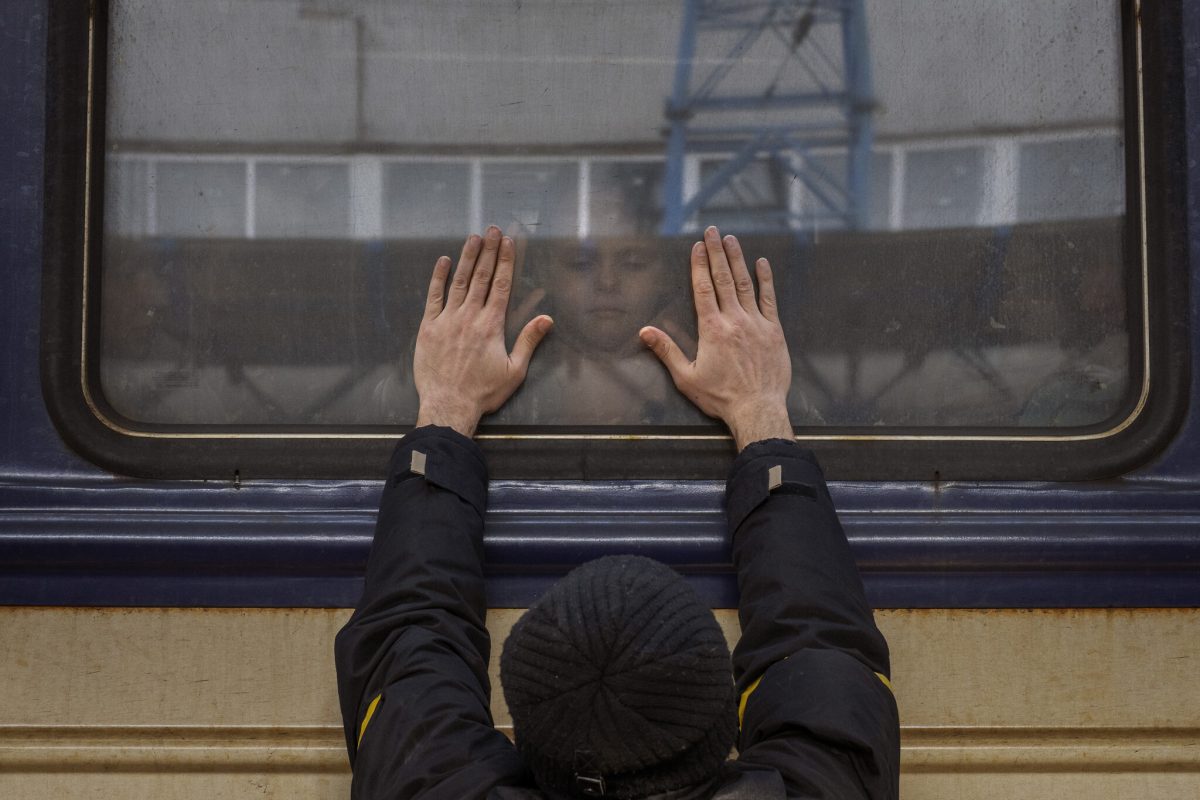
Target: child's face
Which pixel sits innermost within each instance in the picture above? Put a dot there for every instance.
(605, 291)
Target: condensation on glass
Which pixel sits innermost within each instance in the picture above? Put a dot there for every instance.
(940, 188)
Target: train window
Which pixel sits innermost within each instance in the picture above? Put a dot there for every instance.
(633, 201)
(1071, 179)
(302, 200)
(758, 196)
(952, 197)
(944, 188)
(198, 199)
(815, 200)
(532, 198)
(422, 199)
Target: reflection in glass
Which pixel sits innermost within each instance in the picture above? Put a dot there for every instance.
(423, 200)
(126, 197)
(757, 198)
(199, 199)
(943, 188)
(532, 198)
(1071, 179)
(302, 200)
(625, 198)
(941, 194)
(815, 191)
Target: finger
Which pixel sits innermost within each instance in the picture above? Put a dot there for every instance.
(436, 298)
(766, 290)
(528, 340)
(462, 273)
(497, 299)
(722, 276)
(667, 351)
(742, 285)
(485, 267)
(703, 290)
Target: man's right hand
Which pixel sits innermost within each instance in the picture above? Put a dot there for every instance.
(742, 371)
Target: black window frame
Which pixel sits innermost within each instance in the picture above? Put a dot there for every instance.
(1156, 213)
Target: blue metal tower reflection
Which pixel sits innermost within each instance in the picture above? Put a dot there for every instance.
(774, 82)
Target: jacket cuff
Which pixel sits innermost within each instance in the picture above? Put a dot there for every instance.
(771, 466)
(444, 458)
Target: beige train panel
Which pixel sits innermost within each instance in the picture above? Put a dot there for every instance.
(63, 748)
(1046, 668)
(83, 666)
(168, 785)
(1046, 786)
(236, 786)
(241, 703)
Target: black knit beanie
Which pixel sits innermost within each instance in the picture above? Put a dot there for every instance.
(619, 683)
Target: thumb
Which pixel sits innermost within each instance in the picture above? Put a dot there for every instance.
(665, 348)
(528, 339)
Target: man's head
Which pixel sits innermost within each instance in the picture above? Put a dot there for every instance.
(619, 683)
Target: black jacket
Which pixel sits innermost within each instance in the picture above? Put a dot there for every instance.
(819, 721)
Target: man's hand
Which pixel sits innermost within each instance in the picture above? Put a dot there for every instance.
(742, 371)
(461, 367)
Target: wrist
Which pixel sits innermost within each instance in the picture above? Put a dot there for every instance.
(758, 423)
(448, 415)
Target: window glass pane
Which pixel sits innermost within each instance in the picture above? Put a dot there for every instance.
(426, 199)
(755, 198)
(625, 197)
(940, 188)
(199, 198)
(943, 188)
(824, 183)
(1072, 179)
(302, 200)
(532, 198)
(126, 192)
(756, 187)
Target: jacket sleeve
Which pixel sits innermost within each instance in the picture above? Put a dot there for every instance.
(412, 660)
(811, 668)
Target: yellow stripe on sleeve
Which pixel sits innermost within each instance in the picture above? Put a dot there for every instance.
(746, 696)
(367, 717)
(750, 690)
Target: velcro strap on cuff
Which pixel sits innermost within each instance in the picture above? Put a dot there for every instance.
(774, 466)
(444, 458)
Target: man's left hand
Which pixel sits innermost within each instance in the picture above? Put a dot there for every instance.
(461, 367)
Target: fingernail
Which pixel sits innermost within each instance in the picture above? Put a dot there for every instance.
(506, 240)
(545, 324)
(697, 246)
(731, 238)
(711, 232)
